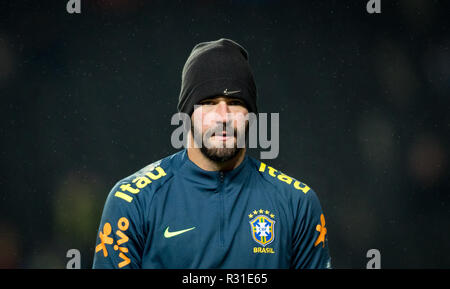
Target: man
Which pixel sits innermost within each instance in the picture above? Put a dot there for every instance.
(211, 205)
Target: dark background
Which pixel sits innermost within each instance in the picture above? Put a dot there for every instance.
(86, 99)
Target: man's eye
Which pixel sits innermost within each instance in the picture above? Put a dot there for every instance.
(207, 102)
(235, 102)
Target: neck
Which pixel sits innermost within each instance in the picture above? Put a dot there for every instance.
(198, 158)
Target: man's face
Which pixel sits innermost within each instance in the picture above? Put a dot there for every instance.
(217, 124)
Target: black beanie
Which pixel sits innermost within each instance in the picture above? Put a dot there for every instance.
(217, 68)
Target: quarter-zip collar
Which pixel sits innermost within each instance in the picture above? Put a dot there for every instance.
(210, 180)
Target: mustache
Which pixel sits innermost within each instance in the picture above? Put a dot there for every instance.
(220, 129)
(223, 129)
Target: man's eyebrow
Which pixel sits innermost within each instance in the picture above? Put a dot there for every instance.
(206, 99)
(228, 99)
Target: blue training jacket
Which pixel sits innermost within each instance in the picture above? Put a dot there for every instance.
(173, 214)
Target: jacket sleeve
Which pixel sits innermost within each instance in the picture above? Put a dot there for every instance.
(120, 234)
(310, 242)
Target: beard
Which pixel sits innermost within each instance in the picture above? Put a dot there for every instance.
(219, 154)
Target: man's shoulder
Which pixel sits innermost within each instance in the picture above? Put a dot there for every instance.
(279, 179)
(148, 179)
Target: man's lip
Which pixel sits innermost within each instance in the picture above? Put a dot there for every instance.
(223, 134)
(222, 138)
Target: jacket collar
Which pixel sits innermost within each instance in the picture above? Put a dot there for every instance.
(211, 180)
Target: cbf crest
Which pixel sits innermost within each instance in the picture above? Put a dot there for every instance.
(262, 229)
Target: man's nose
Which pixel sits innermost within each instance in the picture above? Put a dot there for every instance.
(222, 110)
